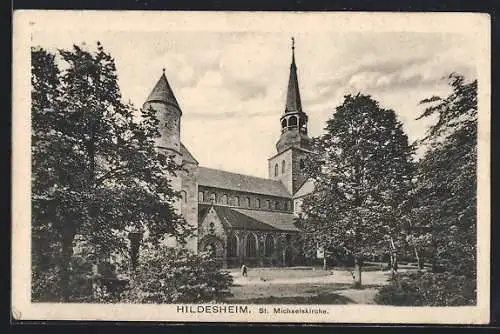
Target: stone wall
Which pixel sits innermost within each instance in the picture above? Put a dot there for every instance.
(189, 202)
(284, 175)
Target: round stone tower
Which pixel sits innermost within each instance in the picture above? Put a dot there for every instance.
(168, 112)
(163, 102)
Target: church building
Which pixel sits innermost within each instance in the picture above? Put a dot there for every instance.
(241, 218)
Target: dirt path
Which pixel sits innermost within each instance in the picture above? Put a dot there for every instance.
(283, 285)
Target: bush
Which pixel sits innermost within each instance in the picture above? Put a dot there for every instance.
(46, 284)
(428, 289)
(176, 276)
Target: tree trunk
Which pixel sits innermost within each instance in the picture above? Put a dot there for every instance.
(67, 254)
(419, 261)
(391, 264)
(394, 259)
(324, 262)
(357, 273)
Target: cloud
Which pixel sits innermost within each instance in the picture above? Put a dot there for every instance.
(231, 86)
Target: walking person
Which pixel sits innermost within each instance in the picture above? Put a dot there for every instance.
(244, 270)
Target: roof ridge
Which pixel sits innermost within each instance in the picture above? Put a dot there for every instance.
(246, 175)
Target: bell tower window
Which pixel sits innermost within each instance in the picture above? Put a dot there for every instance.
(276, 170)
(283, 123)
(292, 121)
(283, 167)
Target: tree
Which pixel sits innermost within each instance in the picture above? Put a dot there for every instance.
(96, 171)
(445, 196)
(362, 171)
(45, 92)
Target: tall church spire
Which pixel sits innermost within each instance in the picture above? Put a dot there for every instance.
(294, 144)
(294, 120)
(293, 103)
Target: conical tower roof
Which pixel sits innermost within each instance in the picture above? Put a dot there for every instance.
(293, 103)
(162, 92)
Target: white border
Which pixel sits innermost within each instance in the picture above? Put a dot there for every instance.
(24, 23)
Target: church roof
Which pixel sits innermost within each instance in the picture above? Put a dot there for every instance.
(162, 92)
(293, 102)
(251, 220)
(278, 220)
(187, 156)
(217, 178)
(305, 189)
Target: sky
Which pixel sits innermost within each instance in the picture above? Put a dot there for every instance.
(231, 85)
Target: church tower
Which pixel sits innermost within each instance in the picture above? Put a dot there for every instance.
(294, 144)
(162, 100)
(168, 112)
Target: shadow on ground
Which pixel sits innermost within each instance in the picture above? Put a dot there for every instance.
(332, 298)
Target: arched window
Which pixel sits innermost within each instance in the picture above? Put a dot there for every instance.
(200, 196)
(269, 250)
(268, 204)
(247, 202)
(237, 201)
(283, 167)
(257, 203)
(292, 121)
(224, 199)
(277, 205)
(283, 123)
(276, 170)
(184, 196)
(232, 246)
(251, 245)
(212, 198)
(301, 121)
(210, 248)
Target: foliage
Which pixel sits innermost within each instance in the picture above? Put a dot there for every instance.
(444, 214)
(47, 286)
(172, 275)
(95, 170)
(362, 171)
(428, 289)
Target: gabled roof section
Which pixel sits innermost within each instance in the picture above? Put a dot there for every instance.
(187, 157)
(306, 189)
(217, 178)
(240, 219)
(162, 92)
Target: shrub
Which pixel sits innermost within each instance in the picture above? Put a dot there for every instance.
(173, 275)
(428, 289)
(46, 284)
